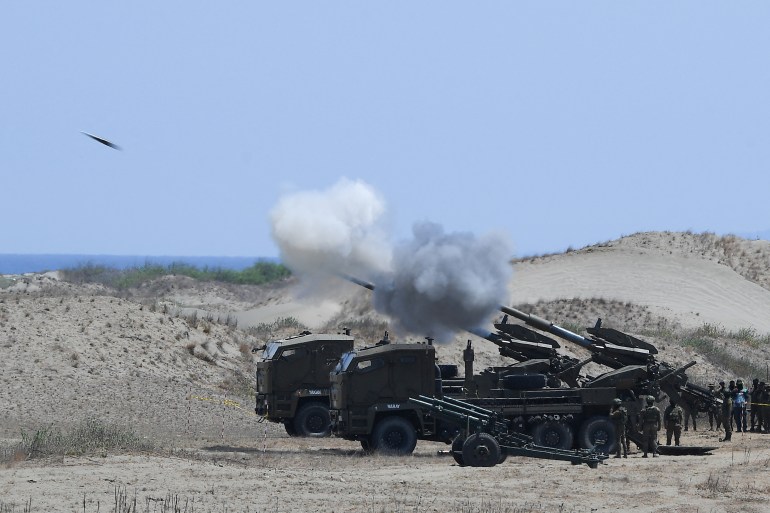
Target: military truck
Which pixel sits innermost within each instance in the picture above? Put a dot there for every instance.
(371, 390)
(293, 381)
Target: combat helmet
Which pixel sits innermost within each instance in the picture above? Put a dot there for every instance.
(650, 399)
(617, 401)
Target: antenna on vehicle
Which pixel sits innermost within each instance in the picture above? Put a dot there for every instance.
(385, 340)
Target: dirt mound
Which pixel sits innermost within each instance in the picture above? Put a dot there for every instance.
(680, 277)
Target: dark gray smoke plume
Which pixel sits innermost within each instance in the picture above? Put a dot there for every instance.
(443, 283)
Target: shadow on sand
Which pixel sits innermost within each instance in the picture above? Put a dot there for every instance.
(327, 452)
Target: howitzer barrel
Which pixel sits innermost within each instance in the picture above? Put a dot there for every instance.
(449, 412)
(353, 279)
(678, 371)
(544, 325)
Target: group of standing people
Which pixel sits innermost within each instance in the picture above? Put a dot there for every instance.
(737, 400)
(649, 423)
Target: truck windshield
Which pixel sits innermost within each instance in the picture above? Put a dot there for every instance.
(342, 365)
(270, 350)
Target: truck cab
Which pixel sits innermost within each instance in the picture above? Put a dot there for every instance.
(370, 391)
(293, 381)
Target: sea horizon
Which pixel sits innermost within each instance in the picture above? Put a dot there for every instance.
(22, 263)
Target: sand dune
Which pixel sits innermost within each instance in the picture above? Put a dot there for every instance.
(690, 289)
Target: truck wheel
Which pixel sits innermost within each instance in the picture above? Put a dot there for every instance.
(553, 434)
(313, 420)
(481, 450)
(598, 433)
(394, 435)
(366, 445)
(289, 426)
(457, 450)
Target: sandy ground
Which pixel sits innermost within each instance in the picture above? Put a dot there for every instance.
(68, 353)
(284, 475)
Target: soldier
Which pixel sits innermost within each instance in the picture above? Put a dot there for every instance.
(673, 419)
(731, 389)
(713, 411)
(764, 407)
(754, 394)
(727, 410)
(619, 417)
(650, 419)
(740, 398)
(690, 410)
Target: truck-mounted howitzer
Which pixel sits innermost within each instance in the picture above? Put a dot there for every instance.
(635, 368)
(535, 353)
(632, 360)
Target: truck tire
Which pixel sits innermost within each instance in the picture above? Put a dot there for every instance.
(553, 434)
(457, 450)
(289, 426)
(312, 420)
(481, 450)
(448, 371)
(598, 433)
(525, 381)
(394, 435)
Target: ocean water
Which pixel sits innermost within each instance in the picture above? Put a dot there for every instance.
(21, 263)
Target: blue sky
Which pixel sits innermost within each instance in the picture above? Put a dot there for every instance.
(559, 123)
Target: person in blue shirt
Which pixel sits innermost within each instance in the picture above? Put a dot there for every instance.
(740, 398)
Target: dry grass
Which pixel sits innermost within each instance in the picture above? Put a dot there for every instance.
(279, 328)
(91, 437)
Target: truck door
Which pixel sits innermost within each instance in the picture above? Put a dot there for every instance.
(294, 367)
(370, 383)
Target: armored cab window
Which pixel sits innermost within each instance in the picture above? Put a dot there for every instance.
(345, 361)
(369, 365)
(293, 353)
(270, 350)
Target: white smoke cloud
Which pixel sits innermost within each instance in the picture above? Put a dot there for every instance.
(433, 285)
(334, 231)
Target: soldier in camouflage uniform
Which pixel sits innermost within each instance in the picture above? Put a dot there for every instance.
(650, 419)
(713, 411)
(727, 410)
(756, 415)
(764, 407)
(690, 410)
(673, 420)
(619, 417)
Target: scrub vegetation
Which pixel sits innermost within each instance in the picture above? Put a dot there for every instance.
(258, 274)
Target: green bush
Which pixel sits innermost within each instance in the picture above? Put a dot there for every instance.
(258, 274)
